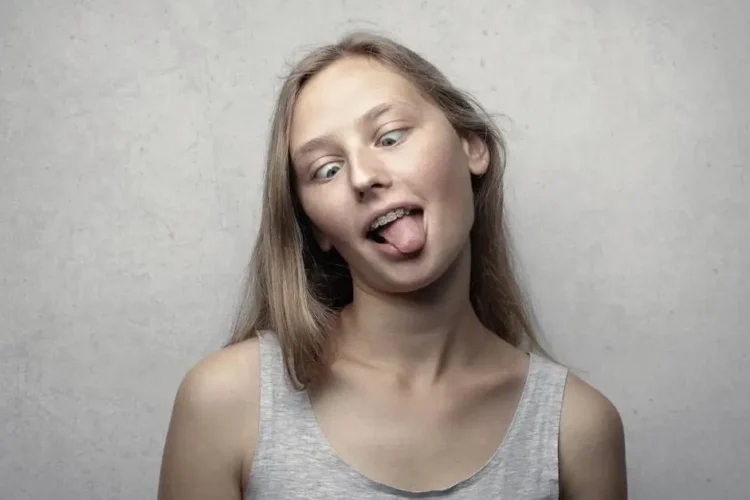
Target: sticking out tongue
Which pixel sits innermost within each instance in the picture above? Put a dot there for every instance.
(406, 233)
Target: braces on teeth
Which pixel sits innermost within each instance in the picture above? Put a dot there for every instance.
(388, 218)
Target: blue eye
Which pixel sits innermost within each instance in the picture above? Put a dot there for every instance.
(391, 138)
(327, 171)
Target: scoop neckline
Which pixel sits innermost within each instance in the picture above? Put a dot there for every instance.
(496, 455)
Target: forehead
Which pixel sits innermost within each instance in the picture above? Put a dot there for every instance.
(343, 92)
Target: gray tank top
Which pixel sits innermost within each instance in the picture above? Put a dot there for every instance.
(293, 460)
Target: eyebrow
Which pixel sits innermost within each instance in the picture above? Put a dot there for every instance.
(370, 116)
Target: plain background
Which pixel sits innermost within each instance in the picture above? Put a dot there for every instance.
(131, 146)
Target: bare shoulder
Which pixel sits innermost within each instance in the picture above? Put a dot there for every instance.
(224, 380)
(592, 445)
(214, 421)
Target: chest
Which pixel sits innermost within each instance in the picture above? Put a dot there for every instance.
(418, 442)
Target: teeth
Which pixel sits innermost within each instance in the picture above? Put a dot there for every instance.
(388, 218)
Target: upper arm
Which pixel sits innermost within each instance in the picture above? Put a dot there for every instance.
(592, 446)
(213, 425)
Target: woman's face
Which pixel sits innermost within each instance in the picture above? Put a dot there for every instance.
(382, 175)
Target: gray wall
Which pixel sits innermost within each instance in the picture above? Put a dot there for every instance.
(131, 143)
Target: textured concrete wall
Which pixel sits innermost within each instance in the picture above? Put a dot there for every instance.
(131, 143)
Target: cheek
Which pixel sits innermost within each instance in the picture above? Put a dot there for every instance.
(445, 180)
(326, 215)
(443, 170)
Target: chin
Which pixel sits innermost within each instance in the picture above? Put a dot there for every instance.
(419, 273)
(407, 284)
(420, 276)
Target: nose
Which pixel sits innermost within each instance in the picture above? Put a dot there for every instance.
(367, 173)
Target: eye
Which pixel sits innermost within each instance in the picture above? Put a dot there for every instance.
(327, 171)
(391, 138)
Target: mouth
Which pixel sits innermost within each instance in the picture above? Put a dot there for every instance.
(398, 232)
(378, 225)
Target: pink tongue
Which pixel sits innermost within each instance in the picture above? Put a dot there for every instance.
(406, 233)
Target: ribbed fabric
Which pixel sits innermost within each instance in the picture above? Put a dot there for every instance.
(293, 460)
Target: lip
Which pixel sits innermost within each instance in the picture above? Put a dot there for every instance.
(379, 213)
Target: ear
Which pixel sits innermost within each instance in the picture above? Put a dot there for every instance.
(477, 153)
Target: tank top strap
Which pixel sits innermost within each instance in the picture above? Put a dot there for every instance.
(533, 439)
(273, 379)
(285, 412)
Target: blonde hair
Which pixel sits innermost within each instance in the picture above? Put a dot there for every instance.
(295, 289)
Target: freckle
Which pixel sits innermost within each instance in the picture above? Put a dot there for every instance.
(481, 63)
(716, 271)
(484, 32)
(635, 412)
(709, 480)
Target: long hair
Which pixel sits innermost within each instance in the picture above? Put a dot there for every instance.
(295, 289)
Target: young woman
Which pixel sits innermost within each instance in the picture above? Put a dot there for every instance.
(382, 351)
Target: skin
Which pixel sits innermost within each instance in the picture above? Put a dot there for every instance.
(414, 362)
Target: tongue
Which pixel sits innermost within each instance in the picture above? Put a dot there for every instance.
(406, 234)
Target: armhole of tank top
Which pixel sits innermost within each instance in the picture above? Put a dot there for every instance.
(559, 383)
(542, 407)
(266, 361)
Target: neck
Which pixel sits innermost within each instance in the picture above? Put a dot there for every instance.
(420, 335)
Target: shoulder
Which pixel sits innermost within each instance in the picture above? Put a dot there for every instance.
(224, 380)
(214, 423)
(592, 445)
